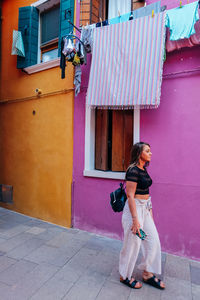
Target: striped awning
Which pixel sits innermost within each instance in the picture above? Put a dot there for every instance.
(127, 64)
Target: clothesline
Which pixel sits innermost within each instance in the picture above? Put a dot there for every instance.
(183, 24)
(130, 14)
(188, 20)
(171, 21)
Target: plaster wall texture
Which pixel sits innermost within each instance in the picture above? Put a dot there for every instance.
(173, 133)
(36, 151)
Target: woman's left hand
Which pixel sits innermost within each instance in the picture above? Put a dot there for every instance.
(136, 227)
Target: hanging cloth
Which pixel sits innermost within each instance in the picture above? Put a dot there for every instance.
(77, 79)
(124, 76)
(179, 44)
(116, 6)
(120, 19)
(147, 10)
(86, 37)
(181, 21)
(62, 59)
(100, 24)
(17, 44)
(138, 13)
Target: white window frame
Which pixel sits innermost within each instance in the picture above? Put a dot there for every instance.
(43, 5)
(89, 164)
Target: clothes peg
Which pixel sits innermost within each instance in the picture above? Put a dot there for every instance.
(101, 21)
(180, 4)
(131, 16)
(119, 13)
(152, 13)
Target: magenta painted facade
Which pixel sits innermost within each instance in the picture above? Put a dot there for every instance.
(173, 133)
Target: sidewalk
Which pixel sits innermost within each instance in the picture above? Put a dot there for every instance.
(42, 261)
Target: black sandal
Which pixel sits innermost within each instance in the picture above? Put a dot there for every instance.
(154, 282)
(131, 285)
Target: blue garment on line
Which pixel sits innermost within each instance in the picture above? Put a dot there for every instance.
(100, 24)
(181, 21)
(138, 13)
(120, 19)
(147, 10)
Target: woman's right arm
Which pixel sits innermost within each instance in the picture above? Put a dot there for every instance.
(130, 191)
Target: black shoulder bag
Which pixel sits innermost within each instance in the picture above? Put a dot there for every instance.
(118, 198)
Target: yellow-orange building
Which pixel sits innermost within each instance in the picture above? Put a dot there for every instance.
(36, 118)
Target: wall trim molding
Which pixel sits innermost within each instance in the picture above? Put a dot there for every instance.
(102, 174)
(42, 66)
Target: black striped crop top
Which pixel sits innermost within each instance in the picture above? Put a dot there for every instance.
(142, 178)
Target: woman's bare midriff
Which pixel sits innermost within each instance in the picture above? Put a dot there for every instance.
(142, 197)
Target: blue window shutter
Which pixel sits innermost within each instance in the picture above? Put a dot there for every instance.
(28, 25)
(66, 13)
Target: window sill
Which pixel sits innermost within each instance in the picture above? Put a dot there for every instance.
(43, 66)
(104, 174)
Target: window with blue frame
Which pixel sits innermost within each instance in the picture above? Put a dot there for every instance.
(49, 31)
(43, 25)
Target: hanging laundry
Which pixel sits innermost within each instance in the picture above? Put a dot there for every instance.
(179, 44)
(62, 59)
(118, 6)
(181, 21)
(100, 24)
(86, 37)
(77, 80)
(195, 38)
(17, 44)
(138, 13)
(85, 55)
(129, 76)
(68, 52)
(80, 52)
(68, 47)
(76, 60)
(120, 19)
(147, 10)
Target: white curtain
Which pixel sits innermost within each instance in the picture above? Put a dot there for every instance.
(123, 6)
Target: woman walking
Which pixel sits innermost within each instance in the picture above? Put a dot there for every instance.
(137, 215)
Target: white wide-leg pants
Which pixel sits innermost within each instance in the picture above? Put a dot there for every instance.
(151, 250)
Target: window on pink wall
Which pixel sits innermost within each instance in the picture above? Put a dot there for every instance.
(109, 136)
(113, 139)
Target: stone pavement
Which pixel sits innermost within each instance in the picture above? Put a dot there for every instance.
(42, 261)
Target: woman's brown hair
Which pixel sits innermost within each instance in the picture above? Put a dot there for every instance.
(136, 151)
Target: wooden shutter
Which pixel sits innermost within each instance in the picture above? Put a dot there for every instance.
(92, 11)
(122, 139)
(66, 13)
(98, 10)
(28, 25)
(0, 29)
(128, 137)
(85, 7)
(101, 139)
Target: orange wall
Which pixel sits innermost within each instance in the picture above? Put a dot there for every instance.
(36, 152)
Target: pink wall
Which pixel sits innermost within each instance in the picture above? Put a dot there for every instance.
(173, 132)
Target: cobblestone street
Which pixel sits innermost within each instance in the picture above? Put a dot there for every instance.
(43, 261)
